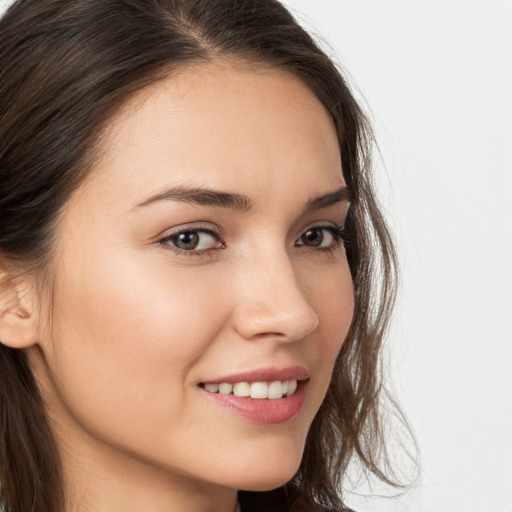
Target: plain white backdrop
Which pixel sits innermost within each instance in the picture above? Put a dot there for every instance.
(437, 79)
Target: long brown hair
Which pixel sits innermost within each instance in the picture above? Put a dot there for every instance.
(66, 67)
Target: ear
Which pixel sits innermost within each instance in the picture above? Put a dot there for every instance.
(17, 315)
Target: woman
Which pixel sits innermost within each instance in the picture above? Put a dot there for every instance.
(190, 255)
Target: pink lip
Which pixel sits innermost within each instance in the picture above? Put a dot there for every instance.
(264, 375)
(265, 411)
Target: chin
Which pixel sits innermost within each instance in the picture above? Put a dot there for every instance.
(263, 463)
(267, 477)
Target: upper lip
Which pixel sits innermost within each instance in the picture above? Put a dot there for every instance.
(264, 375)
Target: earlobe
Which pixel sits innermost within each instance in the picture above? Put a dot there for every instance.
(17, 322)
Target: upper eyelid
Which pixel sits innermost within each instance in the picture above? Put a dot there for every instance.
(209, 228)
(323, 224)
(331, 227)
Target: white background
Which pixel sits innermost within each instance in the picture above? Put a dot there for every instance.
(437, 76)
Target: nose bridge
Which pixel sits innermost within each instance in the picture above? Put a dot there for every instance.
(272, 301)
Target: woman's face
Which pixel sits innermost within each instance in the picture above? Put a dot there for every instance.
(202, 252)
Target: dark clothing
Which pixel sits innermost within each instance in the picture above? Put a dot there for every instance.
(274, 501)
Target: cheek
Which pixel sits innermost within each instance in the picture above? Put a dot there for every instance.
(131, 305)
(332, 296)
(125, 336)
(335, 308)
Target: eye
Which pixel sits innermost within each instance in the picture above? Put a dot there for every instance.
(193, 240)
(321, 237)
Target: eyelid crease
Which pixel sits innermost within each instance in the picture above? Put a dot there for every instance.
(193, 226)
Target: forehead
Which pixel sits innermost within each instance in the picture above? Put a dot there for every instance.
(222, 126)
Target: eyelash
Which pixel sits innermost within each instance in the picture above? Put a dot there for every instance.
(337, 232)
(192, 229)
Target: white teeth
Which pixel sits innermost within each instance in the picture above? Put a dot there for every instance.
(242, 389)
(259, 390)
(225, 388)
(292, 386)
(275, 390)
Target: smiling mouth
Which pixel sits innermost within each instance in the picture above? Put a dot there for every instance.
(258, 400)
(257, 390)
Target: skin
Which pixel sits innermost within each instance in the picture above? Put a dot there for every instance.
(136, 326)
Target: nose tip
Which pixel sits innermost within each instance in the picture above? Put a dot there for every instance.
(263, 321)
(275, 307)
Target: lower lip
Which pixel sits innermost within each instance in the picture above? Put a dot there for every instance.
(262, 410)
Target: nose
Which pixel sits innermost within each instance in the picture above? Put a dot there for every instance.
(270, 301)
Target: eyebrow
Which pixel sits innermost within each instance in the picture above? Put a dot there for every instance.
(202, 197)
(342, 194)
(238, 202)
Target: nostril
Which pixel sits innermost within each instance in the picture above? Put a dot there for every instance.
(282, 326)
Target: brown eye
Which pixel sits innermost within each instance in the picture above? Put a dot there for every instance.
(187, 241)
(313, 237)
(320, 237)
(193, 240)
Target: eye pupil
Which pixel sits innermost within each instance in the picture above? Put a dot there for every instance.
(313, 237)
(186, 240)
